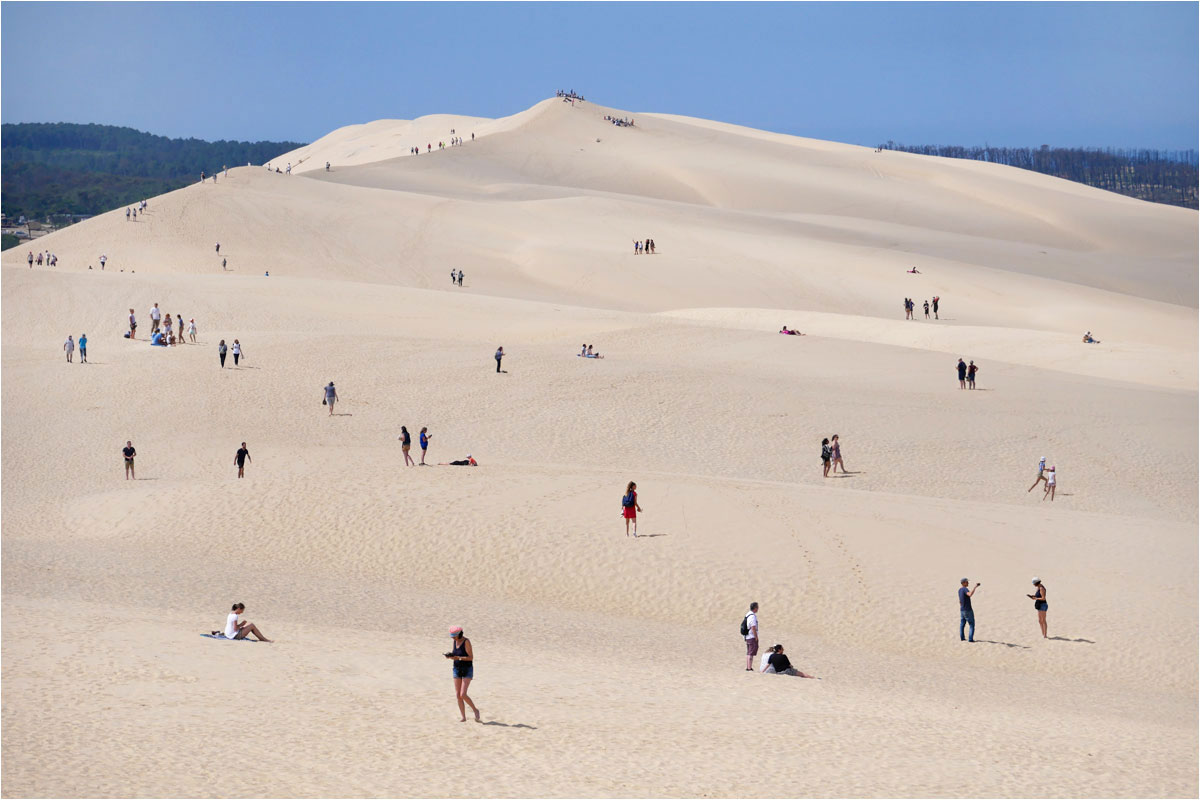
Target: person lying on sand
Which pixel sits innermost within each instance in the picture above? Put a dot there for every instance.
(468, 462)
(1087, 339)
(914, 271)
(778, 664)
(784, 330)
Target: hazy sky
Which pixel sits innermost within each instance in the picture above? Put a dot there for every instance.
(1104, 74)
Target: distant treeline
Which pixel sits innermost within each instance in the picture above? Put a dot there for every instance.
(61, 168)
(1160, 176)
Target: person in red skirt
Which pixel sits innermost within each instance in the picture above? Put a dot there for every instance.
(630, 507)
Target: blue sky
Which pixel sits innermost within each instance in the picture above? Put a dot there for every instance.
(1102, 74)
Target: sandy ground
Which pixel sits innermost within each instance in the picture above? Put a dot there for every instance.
(607, 666)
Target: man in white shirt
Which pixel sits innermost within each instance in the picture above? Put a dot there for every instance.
(751, 636)
(155, 317)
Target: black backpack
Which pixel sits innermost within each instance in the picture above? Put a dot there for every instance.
(745, 626)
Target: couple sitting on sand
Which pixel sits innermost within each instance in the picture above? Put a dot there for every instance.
(586, 352)
(784, 330)
(774, 662)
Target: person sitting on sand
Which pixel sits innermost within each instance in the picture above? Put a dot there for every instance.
(591, 354)
(1087, 339)
(468, 462)
(778, 664)
(237, 628)
(914, 271)
(583, 351)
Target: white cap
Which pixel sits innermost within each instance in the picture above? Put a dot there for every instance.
(1037, 580)
(1043, 458)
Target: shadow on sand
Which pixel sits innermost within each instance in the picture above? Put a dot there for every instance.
(1006, 644)
(1065, 639)
(514, 725)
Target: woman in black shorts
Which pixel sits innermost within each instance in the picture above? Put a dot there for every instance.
(463, 670)
(1040, 604)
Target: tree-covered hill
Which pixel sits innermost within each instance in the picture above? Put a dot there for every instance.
(64, 168)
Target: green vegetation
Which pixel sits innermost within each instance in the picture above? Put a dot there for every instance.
(1160, 176)
(65, 168)
(7, 240)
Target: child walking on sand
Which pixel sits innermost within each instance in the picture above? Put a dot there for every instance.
(630, 507)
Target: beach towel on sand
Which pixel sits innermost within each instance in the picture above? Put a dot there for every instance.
(221, 636)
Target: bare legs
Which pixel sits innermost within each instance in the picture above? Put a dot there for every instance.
(1049, 492)
(837, 462)
(460, 694)
(129, 471)
(408, 460)
(1040, 478)
(249, 628)
(1042, 623)
(634, 521)
(826, 469)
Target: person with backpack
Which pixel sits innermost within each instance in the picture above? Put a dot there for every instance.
(630, 507)
(749, 631)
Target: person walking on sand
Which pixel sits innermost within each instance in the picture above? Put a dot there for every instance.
(463, 670)
(132, 325)
(237, 351)
(238, 628)
(1039, 604)
(962, 374)
(406, 445)
(103, 260)
(218, 248)
(460, 277)
(30, 260)
(179, 326)
(331, 397)
(83, 348)
(1041, 476)
(826, 457)
(224, 262)
(750, 634)
(192, 329)
(453, 276)
(499, 355)
(240, 459)
(630, 507)
(221, 350)
(69, 347)
(966, 616)
(1051, 483)
(129, 452)
(425, 437)
(971, 370)
(837, 455)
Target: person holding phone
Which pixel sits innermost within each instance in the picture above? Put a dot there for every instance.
(463, 669)
(966, 616)
(1039, 604)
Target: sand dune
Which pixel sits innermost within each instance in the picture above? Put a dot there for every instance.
(607, 666)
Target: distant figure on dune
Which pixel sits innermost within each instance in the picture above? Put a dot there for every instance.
(1041, 476)
(331, 397)
(405, 445)
(155, 318)
(425, 437)
(637, 247)
(238, 628)
(463, 670)
(218, 248)
(453, 276)
(630, 507)
(1051, 483)
(499, 355)
(132, 325)
(192, 330)
(240, 459)
(69, 347)
(784, 330)
(926, 309)
(779, 664)
(914, 271)
(103, 260)
(966, 615)
(826, 456)
(591, 354)
(327, 166)
(202, 176)
(936, 299)
(749, 631)
(1039, 603)
(1087, 339)
(39, 259)
(837, 455)
(127, 215)
(179, 326)
(130, 453)
(29, 258)
(652, 247)
(237, 351)
(223, 263)
(225, 167)
(460, 277)
(83, 348)
(971, 370)
(962, 374)
(466, 462)
(221, 350)
(907, 310)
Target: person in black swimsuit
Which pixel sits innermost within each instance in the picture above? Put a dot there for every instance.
(240, 459)
(463, 669)
(1040, 604)
(129, 452)
(779, 664)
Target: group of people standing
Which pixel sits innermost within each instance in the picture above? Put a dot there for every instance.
(46, 257)
(966, 613)
(140, 208)
(910, 308)
(966, 374)
(406, 445)
(456, 278)
(831, 456)
(163, 329)
(640, 247)
(69, 347)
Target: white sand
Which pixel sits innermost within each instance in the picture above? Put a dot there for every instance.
(606, 666)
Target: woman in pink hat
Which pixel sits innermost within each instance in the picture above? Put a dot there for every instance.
(464, 670)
